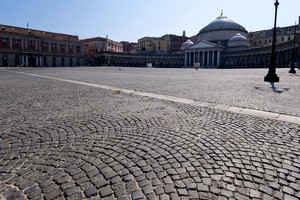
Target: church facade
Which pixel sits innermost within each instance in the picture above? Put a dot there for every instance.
(223, 43)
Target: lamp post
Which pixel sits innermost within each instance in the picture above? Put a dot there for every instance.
(292, 70)
(272, 76)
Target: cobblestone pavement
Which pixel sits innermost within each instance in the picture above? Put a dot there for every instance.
(232, 87)
(62, 140)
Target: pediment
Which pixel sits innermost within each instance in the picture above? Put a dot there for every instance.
(204, 45)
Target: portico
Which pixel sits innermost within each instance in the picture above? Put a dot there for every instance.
(203, 54)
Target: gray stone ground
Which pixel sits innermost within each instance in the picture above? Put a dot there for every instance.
(62, 140)
(232, 87)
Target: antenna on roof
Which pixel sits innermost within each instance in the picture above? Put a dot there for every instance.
(27, 25)
(106, 36)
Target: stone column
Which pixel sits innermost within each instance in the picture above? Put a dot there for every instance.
(213, 59)
(218, 58)
(185, 58)
(194, 60)
(208, 60)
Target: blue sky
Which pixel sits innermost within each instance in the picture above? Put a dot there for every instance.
(129, 20)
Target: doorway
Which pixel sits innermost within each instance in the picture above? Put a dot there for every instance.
(32, 61)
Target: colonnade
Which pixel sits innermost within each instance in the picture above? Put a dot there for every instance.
(138, 60)
(284, 58)
(203, 58)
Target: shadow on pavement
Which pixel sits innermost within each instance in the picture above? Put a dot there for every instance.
(278, 90)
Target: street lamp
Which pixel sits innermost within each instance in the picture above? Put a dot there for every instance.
(272, 76)
(292, 70)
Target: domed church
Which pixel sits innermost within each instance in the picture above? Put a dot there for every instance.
(216, 37)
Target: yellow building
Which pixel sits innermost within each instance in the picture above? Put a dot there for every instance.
(264, 37)
(153, 45)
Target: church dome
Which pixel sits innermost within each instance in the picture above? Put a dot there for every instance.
(238, 41)
(238, 37)
(222, 23)
(186, 45)
(220, 31)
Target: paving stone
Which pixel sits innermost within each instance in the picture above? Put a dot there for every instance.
(132, 186)
(49, 188)
(169, 188)
(193, 194)
(152, 196)
(267, 197)
(289, 197)
(254, 193)
(72, 190)
(82, 180)
(278, 195)
(53, 194)
(288, 190)
(137, 194)
(174, 196)
(105, 191)
(265, 189)
(240, 196)
(90, 191)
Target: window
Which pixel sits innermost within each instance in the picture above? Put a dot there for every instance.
(62, 47)
(4, 42)
(31, 45)
(16, 43)
(44, 46)
(53, 47)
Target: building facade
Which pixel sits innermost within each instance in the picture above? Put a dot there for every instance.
(153, 45)
(98, 44)
(28, 47)
(168, 43)
(129, 47)
(265, 37)
(223, 43)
